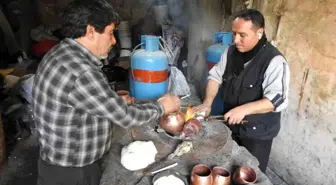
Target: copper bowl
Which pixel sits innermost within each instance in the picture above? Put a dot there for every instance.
(221, 176)
(172, 123)
(191, 127)
(201, 175)
(245, 175)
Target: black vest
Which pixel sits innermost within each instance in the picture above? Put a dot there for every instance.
(247, 87)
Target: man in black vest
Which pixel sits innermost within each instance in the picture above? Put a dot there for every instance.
(255, 77)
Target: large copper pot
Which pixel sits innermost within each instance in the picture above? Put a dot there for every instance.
(245, 175)
(172, 123)
(201, 175)
(221, 176)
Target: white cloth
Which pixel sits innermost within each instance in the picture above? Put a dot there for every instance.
(138, 155)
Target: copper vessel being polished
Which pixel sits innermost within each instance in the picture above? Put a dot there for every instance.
(172, 123)
(221, 176)
(191, 127)
(201, 175)
(245, 175)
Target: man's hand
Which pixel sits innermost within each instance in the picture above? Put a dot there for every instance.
(130, 100)
(206, 108)
(235, 116)
(170, 103)
(211, 92)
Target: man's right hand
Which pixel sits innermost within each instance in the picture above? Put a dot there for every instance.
(170, 103)
(211, 92)
(206, 108)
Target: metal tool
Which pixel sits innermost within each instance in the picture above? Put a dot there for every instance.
(162, 169)
(145, 173)
(221, 118)
(148, 170)
(186, 96)
(215, 117)
(183, 148)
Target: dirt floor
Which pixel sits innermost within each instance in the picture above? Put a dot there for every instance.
(21, 165)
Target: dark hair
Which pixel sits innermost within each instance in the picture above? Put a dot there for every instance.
(81, 13)
(252, 15)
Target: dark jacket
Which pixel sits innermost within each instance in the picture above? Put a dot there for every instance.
(247, 87)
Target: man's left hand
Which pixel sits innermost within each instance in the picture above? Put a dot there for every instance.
(235, 116)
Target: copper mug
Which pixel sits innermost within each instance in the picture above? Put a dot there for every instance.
(244, 175)
(125, 96)
(201, 175)
(221, 176)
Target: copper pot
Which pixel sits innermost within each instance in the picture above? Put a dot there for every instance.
(245, 175)
(172, 123)
(201, 175)
(221, 176)
(191, 127)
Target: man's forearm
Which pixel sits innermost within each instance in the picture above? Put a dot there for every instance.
(258, 107)
(211, 92)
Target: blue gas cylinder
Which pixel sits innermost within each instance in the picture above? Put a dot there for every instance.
(221, 41)
(149, 70)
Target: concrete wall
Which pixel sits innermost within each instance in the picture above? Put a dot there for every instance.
(304, 153)
(205, 20)
(50, 10)
(131, 10)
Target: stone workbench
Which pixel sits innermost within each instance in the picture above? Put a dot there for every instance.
(229, 155)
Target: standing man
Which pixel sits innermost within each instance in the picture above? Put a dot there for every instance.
(73, 104)
(255, 77)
